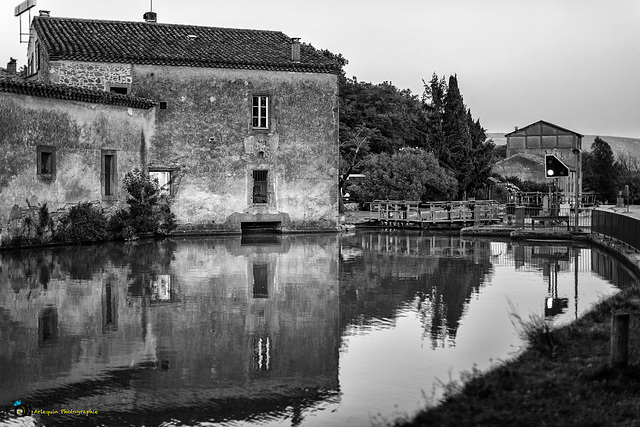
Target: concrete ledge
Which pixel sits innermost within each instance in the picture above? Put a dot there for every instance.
(487, 231)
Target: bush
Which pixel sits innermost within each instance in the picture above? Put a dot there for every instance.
(145, 213)
(84, 222)
(409, 174)
(37, 228)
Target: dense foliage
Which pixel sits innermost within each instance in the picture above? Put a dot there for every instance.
(408, 174)
(380, 120)
(145, 213)
(84, 222)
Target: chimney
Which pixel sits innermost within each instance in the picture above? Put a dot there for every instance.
(12, 67)
(295, 49)
(150, 17)
(45, 13)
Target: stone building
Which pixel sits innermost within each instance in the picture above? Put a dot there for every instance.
(62, 145)
(526, 148)
(246, 128)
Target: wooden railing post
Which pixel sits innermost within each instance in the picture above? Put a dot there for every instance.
(619, 340)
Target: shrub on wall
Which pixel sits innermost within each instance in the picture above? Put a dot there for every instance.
(146, 212)
(36, 227)
(84, 222)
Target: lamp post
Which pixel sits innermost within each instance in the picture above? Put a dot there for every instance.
(578, 153)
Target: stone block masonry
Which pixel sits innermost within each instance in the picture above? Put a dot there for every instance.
(90, 75)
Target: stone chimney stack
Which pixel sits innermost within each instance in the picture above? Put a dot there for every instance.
(295, 49)
(12, 66)
(150, 17)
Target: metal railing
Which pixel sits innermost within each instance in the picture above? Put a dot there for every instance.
(621, 227)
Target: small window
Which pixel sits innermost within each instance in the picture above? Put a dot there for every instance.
(46, 162)
(164, 180)
(260, 112)
(109, 175)
(120, 88)
(260, 181)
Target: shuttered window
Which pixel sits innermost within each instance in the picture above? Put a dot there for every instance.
(109, 166)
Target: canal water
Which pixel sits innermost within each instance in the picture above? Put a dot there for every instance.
(302, 330)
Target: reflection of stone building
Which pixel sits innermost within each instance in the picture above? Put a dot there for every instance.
(198, 324)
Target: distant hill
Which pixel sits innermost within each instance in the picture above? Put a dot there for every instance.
(618, 144)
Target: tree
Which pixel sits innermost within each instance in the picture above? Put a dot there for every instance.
(629, 174)
(457, 140)
(433, 105)
(600, 172)
(409, 174)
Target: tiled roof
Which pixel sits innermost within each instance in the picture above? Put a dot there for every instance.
(12, 83)
(171, 44)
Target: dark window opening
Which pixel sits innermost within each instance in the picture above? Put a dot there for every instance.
(46, 162)
(120, 90)
(163, 105)
(109, 174)
(260, 181)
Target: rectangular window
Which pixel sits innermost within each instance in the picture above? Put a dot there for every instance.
(121, 88)
(260, 181)
(46, 162)
(164, 180)
(260, 112)
(109, 175)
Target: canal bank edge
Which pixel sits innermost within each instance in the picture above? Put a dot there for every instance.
(624, 253)
(571, 385)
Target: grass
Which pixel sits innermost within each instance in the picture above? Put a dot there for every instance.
(563, 378)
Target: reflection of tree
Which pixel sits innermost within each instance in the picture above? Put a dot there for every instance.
(375, 284)
(451, 285)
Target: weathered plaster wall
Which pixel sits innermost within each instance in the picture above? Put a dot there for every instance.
(78, 131)
(205, 133)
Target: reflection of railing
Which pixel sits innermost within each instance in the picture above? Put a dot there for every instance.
(424, 214)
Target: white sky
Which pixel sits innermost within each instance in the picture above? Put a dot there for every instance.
(575, 63)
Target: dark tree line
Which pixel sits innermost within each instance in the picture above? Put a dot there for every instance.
(392, 136)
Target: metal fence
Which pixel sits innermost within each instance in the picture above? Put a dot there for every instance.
(621, 227)
(535, 218)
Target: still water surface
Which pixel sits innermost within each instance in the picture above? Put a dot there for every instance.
(310, 330)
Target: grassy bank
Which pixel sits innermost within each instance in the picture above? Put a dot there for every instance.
(562, 379)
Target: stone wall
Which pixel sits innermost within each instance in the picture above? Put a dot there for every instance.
(204, 130)
(90, 75)
(75, 133)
